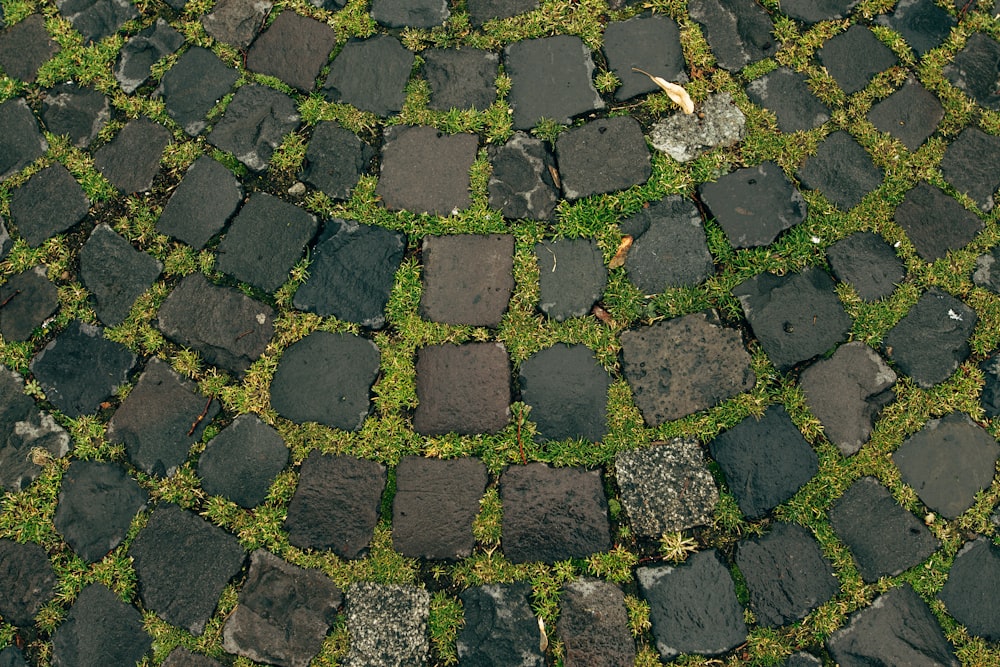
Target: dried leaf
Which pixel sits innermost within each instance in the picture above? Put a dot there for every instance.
(543, 642)
(619, 259)
(603, 316)
(673, 91)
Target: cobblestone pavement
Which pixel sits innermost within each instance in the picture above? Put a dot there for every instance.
(423, 332)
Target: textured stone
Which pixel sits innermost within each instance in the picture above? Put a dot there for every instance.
(787, 95)
(426, 171)
(160, 419)
(648, 42)
(294, 48)
(336, 504)
(867, 263)
(460, 78)
(670, 248)
(990, 396)
(884, 538)
(922, 23)
(765, 461)
(335, 160)
(684, 365)
(182, 563)
(5, 241)
(200, 206)
(567, 390)
(24, 429)
(236, 21)
(410, 13)
(97, 19)
(802, 659)
(28, 299)
(242, 462)
(49, 203)
(100, 629)
(972, 164)
(853, 57)
(842, 170)
(78, 113)
(684, 137)
(141, 52)
(115, 273)
(388, 625)
(195, 84)
(371, 74)
(976, 70)
(254, 125)
(602, 156)
(97, 503)
(571, 277)
(936, 223)
(21, 142)
(462, 388)
(27, 579)
(481, 11)
(738, 31)
(521, 184)
(911, 114)
(132, 159)
(11, 656)
(454, 295)
(26, 46)
(814, 11)
(666, 487)
(693, 607)
(986, 274)
(593, 625)
(972, 591)
(183, 657)
(500, 628)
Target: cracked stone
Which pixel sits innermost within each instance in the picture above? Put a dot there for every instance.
(24, 429)
(79, 113)
(521, 184)
(685, 137)
(254, 125)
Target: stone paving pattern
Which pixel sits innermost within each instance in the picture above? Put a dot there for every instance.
(61, 385)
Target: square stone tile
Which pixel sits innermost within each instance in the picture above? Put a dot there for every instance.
(49, 203)
(852, 58)
(255, 124)
(972, 164)
(294, 48)
(195, 84)
(22, 141)
(842, 170)
(461, 78)
(922, 23)
(868, 263)
(911, 114)
(738, 31)
(462, 388)
(650, 42)
(935, 223)
(455, 295)
(370, 74)
(25, 47)
(567, 390)
(976, 69)
(786, 94)
(426, 171)
(602, 156)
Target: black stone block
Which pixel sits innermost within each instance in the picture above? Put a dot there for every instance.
(567, 390)
(49, 203)
(455, 295)
(242, 461)
(100, 629)
(26, 46)
(28, 299)
(972, 164)
(868, 263)
(935, 223)
(462, 388)
(842, 170)
(787, 95)
(335, 160)
(648, 42)
(254, 125)
(195, 84)
(460, 78)
(97, 19)
(972, 591)
(24, 429)
(670, 247)
(911, 114)
(141, 52)
(200, 206)
(602, 156)
(78, 113)
(593, 624)
(294, 48)
(116, 273)
(571, 277)
(381, 60)
(21, 142)
(132, 159)
(922, 23)
(27, 580)
(522, 183)
(738, 31)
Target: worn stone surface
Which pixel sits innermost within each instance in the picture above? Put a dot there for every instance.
(602, 156)
(500, 628)
(972, 591)
(284, 613)
(567, 390)
(132, 159)
(990, 396)
(521, 184)
(551, 77)
(571, 277)
(294, 48)
(24, 429)
(80, 368)
(49, 203)
(183, 657)
(254, 125)
(27, 579)
(684, 365)
(765, 461)
(426, 171)
(26, 46)
(754, 204)
(802, 659)
(460, 78)
(6, 243)
(846, 392)
(853, 57)
(97, 502)
(336, 504)
(242, 462)
(666, 487)
(29, 298)
(141, 52)
(911, 114)
(481, 11)
(987, 273)
(842, 170)
(693, 607)
(738, 31)
(182, 563)
(160, 419)
(897, 629)
(786, 94)
(976, 70)
(947, 462)
(352, 272)
(972, 164)
(650, 42)
(371, 74)
(593, 625)
(236, 21)
(388, 625)
(21, 142)
(11, 656)
(335, 160)
(97, 19)
(814, 11)
(867, 263)
(462, 388)
(684, 137)
(670, 248)
(195, 84)
(932, 339)
(452, 293)
(200, 206)
(922, 23)
(435, 504)
(935, 222)
(76, 112)
(410, 13)
(786, 574)
(115, 273)
(100, 629)
(214, 322)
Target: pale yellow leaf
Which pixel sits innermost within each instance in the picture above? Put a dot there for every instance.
(673, 91)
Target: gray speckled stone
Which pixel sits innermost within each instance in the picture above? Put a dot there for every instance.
(684, 137)
(388, 625)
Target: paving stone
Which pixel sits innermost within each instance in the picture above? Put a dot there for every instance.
(670, 248)
(567, 390)
(738, 31)
(435, 504)
(426, 171)
(935, 222)
(990, 396)
(24, 429)
(814, 11)
(284, 613)
(371, 74)
(49, 203)
(986, 274)
(787, 95)
(678, 367)
(335, 160)
(976, 69)
(693, 607)
(26, 46)
(795, 317)
(911, 114)
(765, 461)
(552, 514)
(78, 113)
(932, 339)
(971, 592)
(115, 273)
(802, 659)
(593, 625)
(947, 462)
(867, 263)
(602, 156)
(132, 159)
(551, 77)
(28, 299)
(572, 277)
(200, 206)
(294, 49)
(243, 461)
(972, 164)
(454, 295)
(460, 78)
(336, 504)
(846, 392)
(332, 5)
(352, 272)
(853, 57)
(884, 538)
(97, 19)
(160, 419)
(500, 628)
(326, 378)
(183, 657)
(897, 629)
(254, 125)
(841, 170)
(21, 142)
(27, 579)
(387, 624)
(521, 184)
(481, 11)
(195, 84)
(463, 389)
(11, 656)
(97, 502)
(410, 13)
(80, 368)
(786, 574)
(141, 52)
(3, 21)
(255, 250)
(5, 241)
(922, 23)
(684, 137)
(650, 42)
(754, 205)
(236, 21)
(100, 629)
(182, 563)
(666, 487)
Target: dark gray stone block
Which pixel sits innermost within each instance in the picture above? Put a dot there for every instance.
(972, 591)
(990, 396)
(986, 274)
(100, 629)
(454, 295)
(922, 23)
(567, 390)
(462, 388)
(195, 84)
(481, 11)
(593, 625)
(25, 47)
(388, 625)
(410, 13)
(648, 42)
(500, 628)
(911, 114)
(11, 656)
(842, 170)
(522, 183)
(97, 19)
(28, 299)
(28, 581)
(670, 248)
(571, 277)
(868, 263)
(853, 57)
(49, 203)
(814, 11)
(335, 160)
(183, 657)
(976, 69)
(738, 31)
(685, 137)
(254, 125)
(78, 113)
(460, 78)
(371, 74)
(602, 156)
(115, 273)
(787, 95)
(24, 429)
(132, 159)
(141, 52)
(21, 142)
(294, 48)
(972, 164)
(5, 241)
(426, 171)
(200, 206)
(242, 461)
(802, 659)
(935, 223)
(236, 21)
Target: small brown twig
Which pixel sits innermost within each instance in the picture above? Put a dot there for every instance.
(200, 418)
(520, 443)
(244, 334)
(8, 299)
